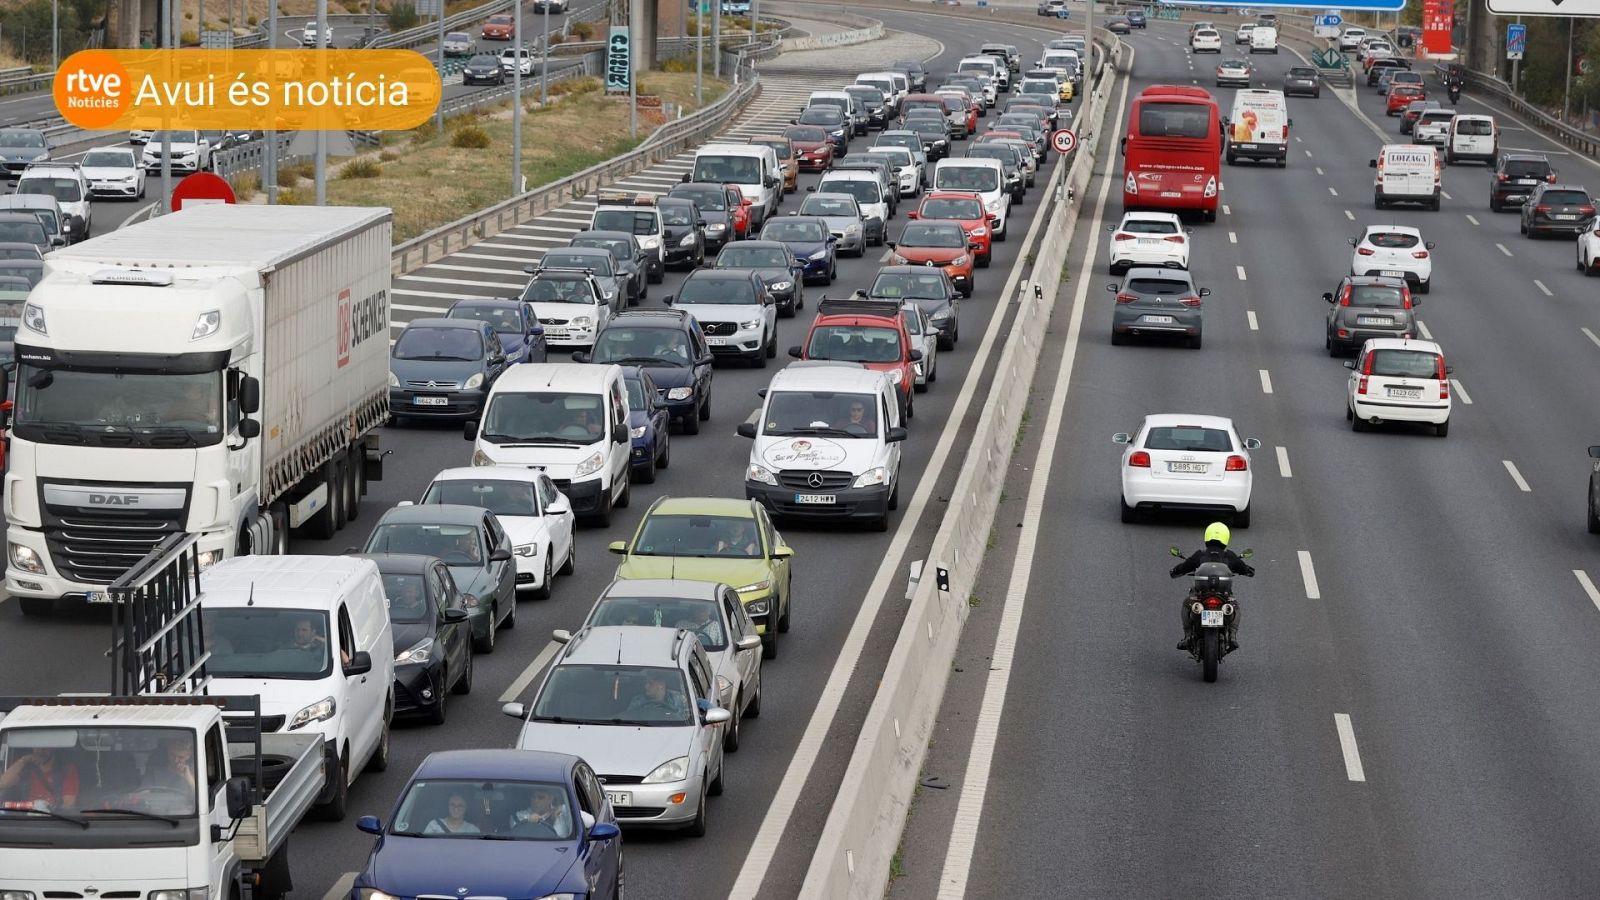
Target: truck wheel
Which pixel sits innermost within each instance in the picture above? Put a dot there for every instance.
(280, 529)
(343, 477)
(357, 467)
(325, 524)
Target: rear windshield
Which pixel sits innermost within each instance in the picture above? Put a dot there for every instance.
(1403, 364)
(1162, 286)
(1475, 126)
(822, 115)
(1039, 87)
(1189, 437)
(951, 209)
(1377, 295)
(1145, 226)
(933, 234)
(599, 262)
(1565, 198)
(727, 169)
(1392, 240)
(805, 134)
(1302, 72)
(22, 232)
(625, 220)
(1523, 168)
(1187, 120)
(864, 191)
(711, 200)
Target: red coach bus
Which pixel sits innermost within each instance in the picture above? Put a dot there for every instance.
(1172, 154)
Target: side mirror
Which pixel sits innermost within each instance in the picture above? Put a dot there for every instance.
(619, 434)
(469, 429)
(668, 299)
(916, 356)
(891, 244)
(536, 331)
(249, 429)
(1594, 452)
(618, 547)
(1349, 364)
(1353, 242)
(716, 715)
(685, 178)
(369, 824)
(812, 189)
(705, 360)
(1416, 302)
(58, 241)
(581, 356)
(1328, 296)
(783, 551)
(237, 797)
(514, 710)
(895, 434)
(1372, 164)
(1122, 437)
(561, 636)
(912, 215)
(748, 642)
(604, 831)
(1175, 552)
(360, 663)
(1252, 444)
(1449, 370)
(746, 430)
(249, 395)
(559, 505)
(794, 352)
(1429, 245)
(455, 614)
(1205, 292)
(1112, 288)
(500, 554)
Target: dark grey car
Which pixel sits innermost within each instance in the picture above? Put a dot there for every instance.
(471, 542)
(777, 266)
(1556, 209)
(1302, 80)
(483, 69)
(21, 147)
(1155, 302)
(632, 260)
(25, 228)
(928, 287)
(1363, 307)
(443, 369)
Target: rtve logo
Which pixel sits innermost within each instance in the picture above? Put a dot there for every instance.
(92, 89)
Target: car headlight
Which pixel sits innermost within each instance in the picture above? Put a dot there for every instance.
(765, 585)
(941, 315)
(980, 231)
(895, 375)
(590, 465)
(837, 134)
(208, 558)
(671, 770)
(959, 261)
(26, 559)
(750, 325)
(852, 229)
(873, 476)
(43, 157)
(417, 654)
(475, 381)
(374, 894)
(582, 323)
(758, 474)
(637, 433)
(199, 893)
(716, 226)
(480, 458)
(782, 285)
(16, 895)
(687, 240)
(650, 242)
(819, 255)
(680, 393)
(320, 711)
(759, 607)
(898, 260)
(993, 206)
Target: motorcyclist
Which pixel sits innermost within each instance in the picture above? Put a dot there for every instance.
(1216, 550)
(1453, 82)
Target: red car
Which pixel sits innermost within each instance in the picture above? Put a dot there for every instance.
(963, 207)
(498, 28)
(812, 146)
(873, 326)
(740, 212)
(937, 243)
(1401, 95)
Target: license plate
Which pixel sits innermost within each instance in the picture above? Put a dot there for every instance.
(1392, 273)
(1211, 618)
(430, 401)
(1159, 320)
(1172, 193)
(1563, 218)
(816, 499)
(1148, 242)
(554, 332)
(1198, 468)
(1406, 393)
(717, 342)
(96, 597)
(619, 798)
(1374, 320)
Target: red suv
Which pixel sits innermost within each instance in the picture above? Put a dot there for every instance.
(869, 332)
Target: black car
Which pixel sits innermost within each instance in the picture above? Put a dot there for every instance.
(19, 250)
(25, 228)
(876, 103)
(670, 345)
(1556, 209)
(777, 266)
(1380, 67)
(714, 204)
(443, 369)
(1302, 80)
(915, 73)
(832, 120)
(935, 136)
(632, 260)
(432, 638)
(683, 233)
(483, 68)
(930, 288)
(1516, 175)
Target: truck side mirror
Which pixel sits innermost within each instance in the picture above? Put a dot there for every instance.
(236, 794)
(619, 434)
(249, 429)
(250, 395)
(469, 429)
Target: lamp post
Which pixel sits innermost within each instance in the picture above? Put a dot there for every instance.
(321, 169)
(516, 99)
(544, 63)
(699, 52)
(269, 178)
(163, 206)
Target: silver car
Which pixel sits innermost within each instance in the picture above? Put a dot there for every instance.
(20, 148)
(924, 337)
(718, 619)
(459, 43)
(639, 703)
(843, 217)
(1157, 303)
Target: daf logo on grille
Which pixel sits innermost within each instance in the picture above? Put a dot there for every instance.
(114, 499)
(814, 479)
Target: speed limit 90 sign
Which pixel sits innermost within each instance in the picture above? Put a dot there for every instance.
(1065, 140)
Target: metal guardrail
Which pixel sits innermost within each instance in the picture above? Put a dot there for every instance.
(1581, 141)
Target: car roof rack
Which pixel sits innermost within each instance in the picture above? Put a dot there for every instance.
(557, 270)
(626, 198)
(851, 306)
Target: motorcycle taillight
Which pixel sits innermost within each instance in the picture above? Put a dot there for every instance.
(1213, 602)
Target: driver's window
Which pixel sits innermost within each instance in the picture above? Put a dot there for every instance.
(347, 636)
(216, 751)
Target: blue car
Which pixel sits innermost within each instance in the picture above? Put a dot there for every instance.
(1135, 18)
(521, 335)
(808, 238)
(551, 830)
(649, 423)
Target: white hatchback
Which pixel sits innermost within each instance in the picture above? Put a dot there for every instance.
(1189, 463)
(1589, 248)
(1149, 239)
(1206, 40)
(537, 517)
(1394, 251)
(1399, 380)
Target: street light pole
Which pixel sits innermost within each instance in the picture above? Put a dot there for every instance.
(699, 53)
(516, 99)
(544, 65)
(716, 37)
(438, 119)
(55, 35)
(1566, 96)
(321, 169)
(269, 178)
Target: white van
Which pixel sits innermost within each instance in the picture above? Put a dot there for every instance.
(847, 103)
(815, 457)
(997, 70)
(311, 636)
(753, 167)
(568, 420)
(1264, 39)
(1258, 126)
(1065, 63)
(1407, 173)
(871, 196)
(982, 176)
(1472, 137)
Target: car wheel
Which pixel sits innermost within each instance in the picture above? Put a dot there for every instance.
(664, 458)
(983, 260)
(510, 621)
(1356, 422)
(1349, 414)
(545, 587)
(759, 361)
(1118, 339)
(440, 712)
(1130, 514)
(697, 828)
(627, 493)
(1241, 519)
(1522, 226)
(691, 423)
(1424, 287)
(730, 738)
(1442, 429)
(486, 643)
(1494, 206)
(334, 809)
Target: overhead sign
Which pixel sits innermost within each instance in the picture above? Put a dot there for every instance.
(1516, 41)
(1333, 19)
(619, 61)
(1065, 140)
(201, 188)
(1561, 8)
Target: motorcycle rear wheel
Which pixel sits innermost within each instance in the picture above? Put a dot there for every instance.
(1210, 653)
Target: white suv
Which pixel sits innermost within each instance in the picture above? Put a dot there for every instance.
(1394, 251)
(1206, 40)
(1399, 380)
(1149, 239)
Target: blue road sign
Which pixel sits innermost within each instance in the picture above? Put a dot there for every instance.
(1516, 41)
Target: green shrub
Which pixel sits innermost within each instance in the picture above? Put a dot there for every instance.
(403, 16)
(470, 137)
(361, 167)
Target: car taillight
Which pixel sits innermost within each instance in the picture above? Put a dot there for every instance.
(1122, 236)
(1419, 254)
(1178, 238)
(1405, 299)
(1343, 333)
(1140, 459)
(1361, 387)
(1236, 464)
(1586, 210)
(1541, 208)
(1126, 297)
(1503, 177)
(1550, 178)
(1344, 297)
(1191, 302)
(1440, 373)
(1365, 251)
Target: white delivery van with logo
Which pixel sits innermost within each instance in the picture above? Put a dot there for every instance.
(1258, 127)
(1407, 173)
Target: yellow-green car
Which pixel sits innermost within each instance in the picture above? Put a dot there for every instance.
(716, 539)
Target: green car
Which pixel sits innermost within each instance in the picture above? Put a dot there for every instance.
(716, 539)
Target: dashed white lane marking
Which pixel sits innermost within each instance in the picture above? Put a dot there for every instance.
(1588, 587)
(1347, 745)
(1503, 248)
(1446, 195)
(1540, 285)
(1266, 382)
(1461, 392)
(1332, 191)
(1226, 211)
(1308, 574)
(1422, 329)
(534, 668)
(1240, 270)
(1522, 484)
(1283, 463)
(341, 888)
(1251, 315)
(1308, 152)
(1233, 238)
(1349, 215)
(1319, 170)
(1471, 218)
(1297, 140)
(1592, 337)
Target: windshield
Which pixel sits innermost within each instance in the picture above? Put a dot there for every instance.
(951, 209)
(457, 545)
(707, 199)
(1039, 87)
(546, 289)
(736, 257)
(727, 537)
(23, 232)
(793, 413)
(727, 169)
(822, 115)
(954, 103)
(828, 206)
(1189, 437)
(71, 406)
(504, 320)
(1185, 120)
(805, 134)
(176, 137)
(501, 497)
(795, 232)
(29, 139)
(474, 810)
(897, 286)
(614, 695)
(855, 343)
(599, 262)
(1389, 240)
(628, 220)
(1376, 295)
(863, 191)
(1403, 364)
(484, 61)
(1474, 126)
(108, 159)
(256, 642)
(699, 616)
(97, 774)
(966, 178)
(673, 214)
(462, 344)
(871, 95)
(408, 597)
(729, 289)
(644, 346)
(933, 234)
(618, 248)
(548, 418)
(30, 274)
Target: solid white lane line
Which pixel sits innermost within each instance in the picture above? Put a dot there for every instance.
(1592, 337)
(1251, 315)
(1240, 270)
(1588, 587)
(1422, 329)
(341, 888)
(1233, 238)
(1347, 744)
(534, 668)
(1332, 191)
(1516, 476)
(1503, 248)
(1319, 170)
(1471, 218)
(1540, 285)
(1308, 574)
(1266, 382)
(1461, 392)
(1349, 215)
(1283, 463)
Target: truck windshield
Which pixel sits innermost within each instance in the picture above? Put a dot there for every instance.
(253, 642)
(74, 406)
(84, 775)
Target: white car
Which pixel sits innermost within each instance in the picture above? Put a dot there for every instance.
(1242, 36)
(1394, 251)
(113, 172)
(1236, 72)
(308, 35)
(1399, 380)
(70, 188)
(1589, 248)
(190, 151)
(535, 514)
(1186, 462)
(509, 60)
(1352, 38)
(1206, 40)
(924, 337)
(1432, 127)
(1149, 239)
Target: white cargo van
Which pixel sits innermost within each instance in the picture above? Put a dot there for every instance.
(311, 636)
(1258, 126)
(1472, 137)
(1407, 173)
(996, 69)
(568, 420)
(753, 167)
(982, 176)
(1264, 39)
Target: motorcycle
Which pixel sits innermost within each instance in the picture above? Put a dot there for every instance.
(1455, 93)
(1211, 601)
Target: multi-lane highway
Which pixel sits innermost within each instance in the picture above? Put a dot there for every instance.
(1411, 711)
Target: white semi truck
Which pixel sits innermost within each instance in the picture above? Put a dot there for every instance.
(220, 371)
